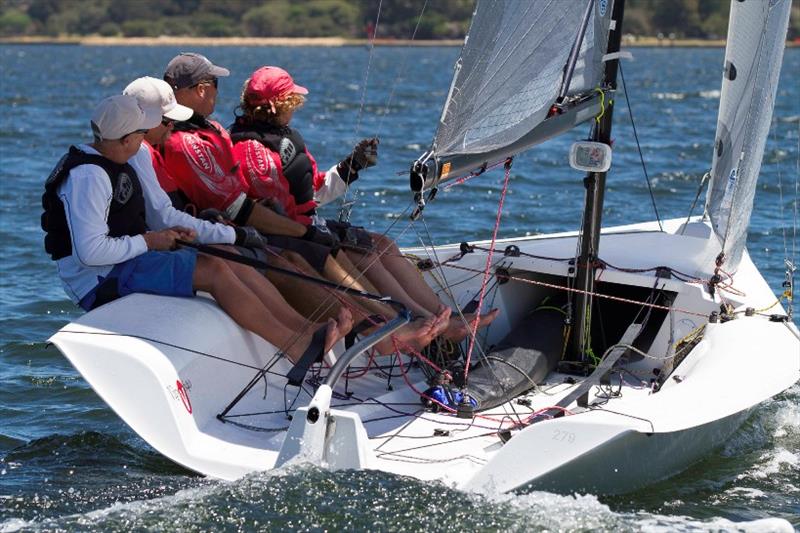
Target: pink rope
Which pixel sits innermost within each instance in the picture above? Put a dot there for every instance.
(464, 179)
(485, 283)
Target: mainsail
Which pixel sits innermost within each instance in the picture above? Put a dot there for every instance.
(756, 39)
(508, 78)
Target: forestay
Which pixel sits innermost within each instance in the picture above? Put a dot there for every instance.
(511, 68)
(756, 39)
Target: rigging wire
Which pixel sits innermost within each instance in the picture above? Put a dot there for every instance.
(474, 325)
(590, 293)
(366, 73)
(447, 287)
(789, 261)
(703, 182)
(638, 146)
(794, 219)
(400, 72)
(346, 194)
(796, 197)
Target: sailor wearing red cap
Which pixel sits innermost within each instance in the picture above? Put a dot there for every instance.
(277, 164)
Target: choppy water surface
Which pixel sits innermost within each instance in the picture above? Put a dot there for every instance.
(67, 461)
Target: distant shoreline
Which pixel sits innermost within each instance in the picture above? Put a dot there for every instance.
(94, 40)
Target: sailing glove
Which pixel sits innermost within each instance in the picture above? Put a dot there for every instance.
(364, 155)
(321, 235)
(249, 237)
(213, 215)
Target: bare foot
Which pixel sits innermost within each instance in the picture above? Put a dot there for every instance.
(442, 321)
(458, 329)
(417, 334)
(338, 328)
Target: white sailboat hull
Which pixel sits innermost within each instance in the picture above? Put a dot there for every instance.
(169, 366)
(620, 459)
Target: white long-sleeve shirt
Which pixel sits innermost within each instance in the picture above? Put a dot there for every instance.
(332, 188)
(86, 195)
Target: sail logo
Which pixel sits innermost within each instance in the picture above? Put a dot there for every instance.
(603, 4)
(181, 392)
(731, 182)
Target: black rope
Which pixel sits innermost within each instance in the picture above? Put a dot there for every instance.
(638, 146)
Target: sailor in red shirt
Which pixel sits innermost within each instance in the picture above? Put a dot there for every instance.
(198, 155)
(276, 164)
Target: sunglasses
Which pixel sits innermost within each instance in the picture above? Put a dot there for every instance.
(134, 132)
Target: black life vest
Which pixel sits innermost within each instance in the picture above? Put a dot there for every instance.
(289, 144)
(195, 122)
(126, 214)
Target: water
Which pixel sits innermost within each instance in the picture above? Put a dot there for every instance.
(68, 462)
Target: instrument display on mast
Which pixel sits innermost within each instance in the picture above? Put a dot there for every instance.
(590, 156)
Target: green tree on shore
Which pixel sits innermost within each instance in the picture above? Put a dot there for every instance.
(323, 18)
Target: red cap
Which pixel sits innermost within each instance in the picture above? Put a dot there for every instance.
(268, 83)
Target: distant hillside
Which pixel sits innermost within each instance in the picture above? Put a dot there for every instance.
(442, 19)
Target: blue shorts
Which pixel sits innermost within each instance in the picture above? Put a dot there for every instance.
(163, 273)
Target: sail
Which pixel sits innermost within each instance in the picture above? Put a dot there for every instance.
(510, 71)
(756, 39)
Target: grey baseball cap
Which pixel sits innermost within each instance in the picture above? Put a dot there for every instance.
(187, 69)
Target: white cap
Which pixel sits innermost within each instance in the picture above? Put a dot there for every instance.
(120, 115)
(152, 92)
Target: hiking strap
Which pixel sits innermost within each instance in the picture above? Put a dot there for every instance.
(361, 327)
(313, 354)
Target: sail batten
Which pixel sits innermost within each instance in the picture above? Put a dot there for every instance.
(511, 71)
(753, 57)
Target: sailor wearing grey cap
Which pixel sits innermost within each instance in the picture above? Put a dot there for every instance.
(188, 68)
(199, 156)
(96, 211)
(193, 77)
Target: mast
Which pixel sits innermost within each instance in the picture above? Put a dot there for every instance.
(595, 183)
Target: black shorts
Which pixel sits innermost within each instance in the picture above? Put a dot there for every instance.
(315, 254)
(354, 236)
(257, 254)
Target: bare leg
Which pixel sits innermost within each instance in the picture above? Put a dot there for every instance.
(416, 335)
(405, 273)
(458, 329)
(272, 298)
(409, 277)
(266, 220)
(304, 299)
(310, 300)
(356, 271)
(387, 284)
(337, 274)
(216, 277)
(361, 307)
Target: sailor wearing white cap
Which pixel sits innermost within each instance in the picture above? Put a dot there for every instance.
(98, 231)
(148, 163)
